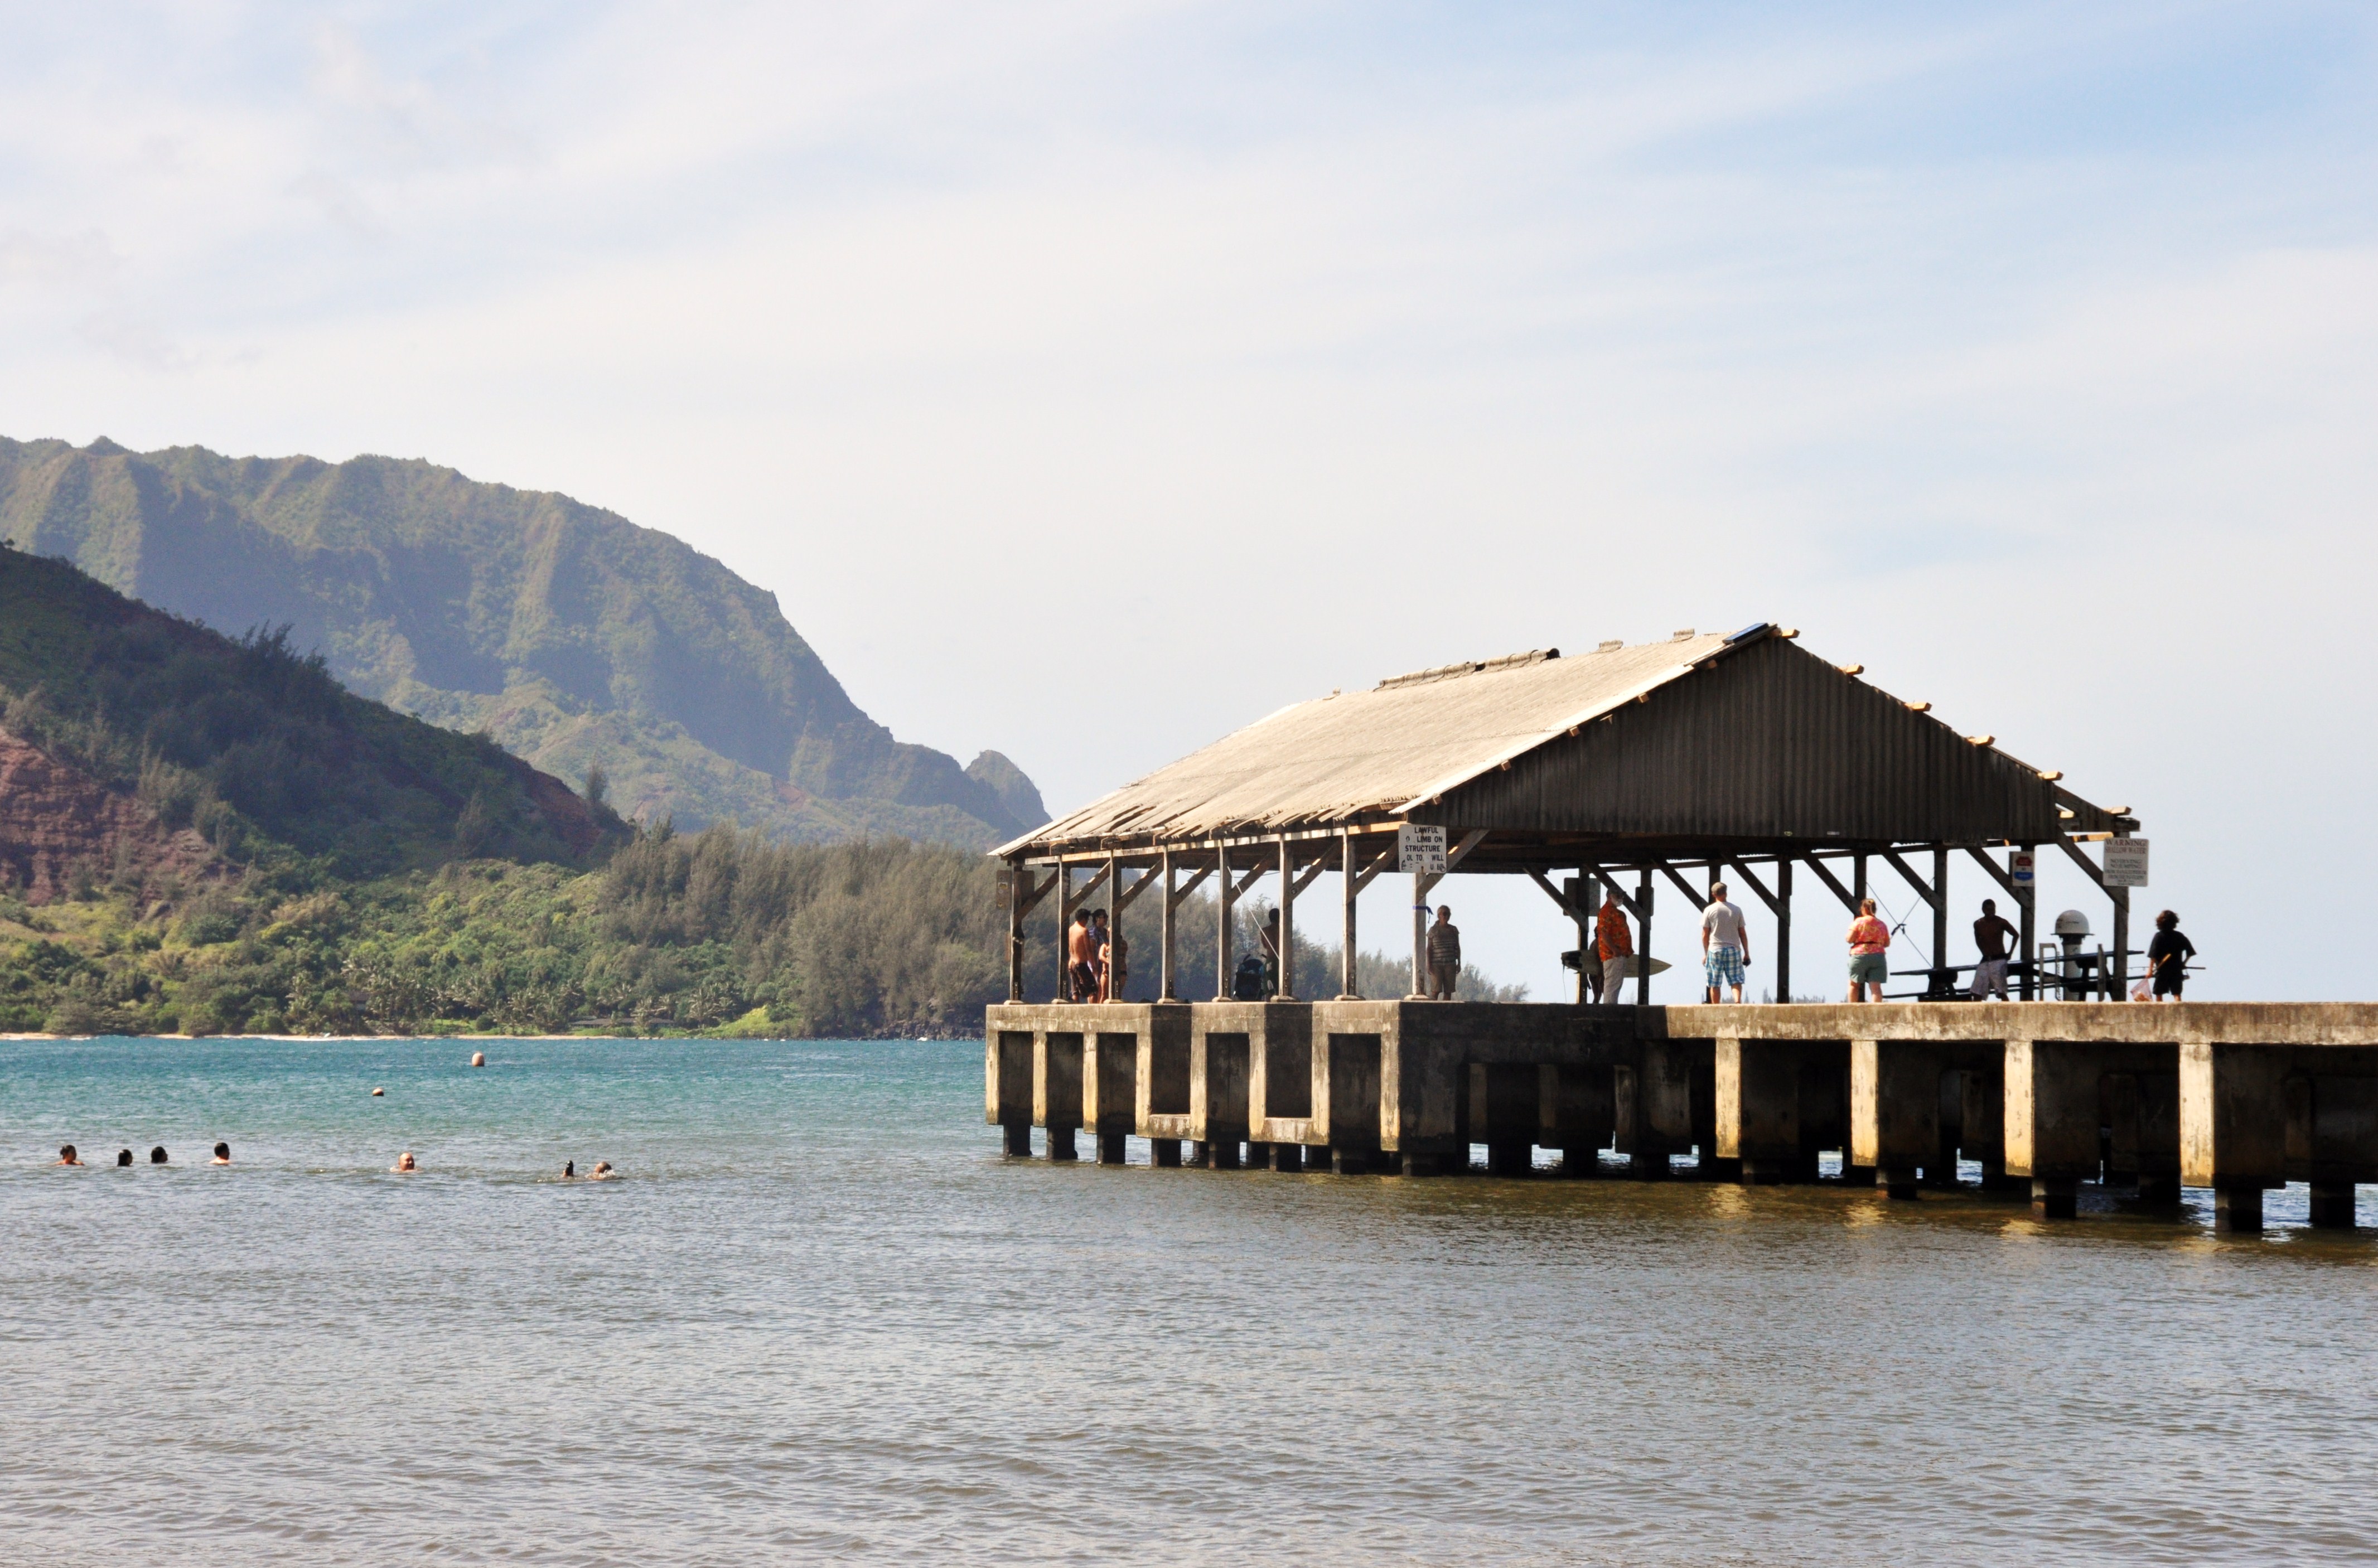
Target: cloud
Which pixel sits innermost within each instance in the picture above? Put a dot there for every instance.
(1265, 349)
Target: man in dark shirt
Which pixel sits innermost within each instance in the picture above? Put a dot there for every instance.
(1443, 955)
(1991, 935)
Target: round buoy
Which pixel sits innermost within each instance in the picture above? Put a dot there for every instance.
(377, 1093)
(478, 1058)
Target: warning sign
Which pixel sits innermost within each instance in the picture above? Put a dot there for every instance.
(1420, 849)
(2126, 862)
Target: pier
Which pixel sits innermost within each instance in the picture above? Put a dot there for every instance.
(1743, 759)
(2240, 1098)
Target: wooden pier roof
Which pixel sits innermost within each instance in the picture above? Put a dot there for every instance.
(1702, 743)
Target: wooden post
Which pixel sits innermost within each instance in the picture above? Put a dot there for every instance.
(1643, 941)
(1223, 902)
(1289, 888)
(1421, 884)
(1114, 927)
(1783, 929)
(1347, 968)
(2120, 977)
(1017, 874)
(1166, 992)
(1064, 919)
(1858, 882)
(1576, 888)
(2029, 901)
(1940, 908)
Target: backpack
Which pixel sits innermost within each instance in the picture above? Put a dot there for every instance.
(1247, 984)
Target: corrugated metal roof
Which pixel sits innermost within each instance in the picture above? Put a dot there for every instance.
(1382, 750)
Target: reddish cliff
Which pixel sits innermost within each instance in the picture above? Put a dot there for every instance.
(53, 817)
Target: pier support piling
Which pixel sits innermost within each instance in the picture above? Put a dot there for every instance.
(2054, 1197)
(2332, 1205)
(2237, 1211)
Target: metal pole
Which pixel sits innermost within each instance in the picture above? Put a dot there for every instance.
(1287, 923)
(1643, 941)
(1222, 936)
(1346, 970)
(1168, 993)
(1783, 929)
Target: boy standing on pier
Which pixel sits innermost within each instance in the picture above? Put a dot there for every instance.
(1443, 955)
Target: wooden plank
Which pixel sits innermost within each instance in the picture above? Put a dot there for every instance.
(1185, 889)
(1554, 894)
(1386, 858)
(1998, 872)
(2088, 867)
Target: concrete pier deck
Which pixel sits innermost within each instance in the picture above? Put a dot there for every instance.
(2240, 1098)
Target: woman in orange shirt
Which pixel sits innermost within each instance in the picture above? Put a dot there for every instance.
(1869, 948)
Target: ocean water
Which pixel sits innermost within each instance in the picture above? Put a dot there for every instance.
(820, 1319)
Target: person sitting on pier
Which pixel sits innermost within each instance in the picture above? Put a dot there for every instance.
(2168, 957)
(1725, 943)
(1081, 971)
(1443, 955)
(1869, 953)
(1991, 935)
(1114, 963)
(1614, 945)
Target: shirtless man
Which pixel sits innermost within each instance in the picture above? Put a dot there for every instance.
(66, 1154)
(404, 1164)
(1081, 968)
(222, 1155)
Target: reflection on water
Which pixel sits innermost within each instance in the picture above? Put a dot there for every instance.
(819, 1317)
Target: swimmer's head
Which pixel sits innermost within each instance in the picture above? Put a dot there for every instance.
(124, 1157)
(157, 1154)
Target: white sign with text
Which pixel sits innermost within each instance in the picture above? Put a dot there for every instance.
(1420, 849)
(2126, 862)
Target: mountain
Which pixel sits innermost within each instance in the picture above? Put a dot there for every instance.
(575, 637)
(141, 751)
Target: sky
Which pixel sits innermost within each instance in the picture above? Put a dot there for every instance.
(1089, 379)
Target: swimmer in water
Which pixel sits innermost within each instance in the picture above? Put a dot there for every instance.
(405, 1162)
(66, 1154)
(222, 1155)
(602, 1171)
(157, 1154)
(569, 1170)
(123, 1156)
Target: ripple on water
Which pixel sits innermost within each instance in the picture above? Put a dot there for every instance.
(819, 1318)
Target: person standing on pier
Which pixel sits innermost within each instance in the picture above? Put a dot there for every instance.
(1081, 969)
(1725, 943)
(1869, 953)
(1115, 967)
(2168, 957)
(1443, 955)
(1613, 944)
(1991, 934)
(1268, 937)
(1097, 957)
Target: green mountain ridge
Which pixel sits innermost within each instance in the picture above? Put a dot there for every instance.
(573, 637)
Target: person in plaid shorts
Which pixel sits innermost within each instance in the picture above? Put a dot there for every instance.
(1725, 943)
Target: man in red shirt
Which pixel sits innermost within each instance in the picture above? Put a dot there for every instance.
(1612, 945)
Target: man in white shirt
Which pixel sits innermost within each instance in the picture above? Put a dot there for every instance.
(1725, 943)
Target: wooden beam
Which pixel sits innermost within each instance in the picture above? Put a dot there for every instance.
(1610, 884)
(1996, 871)
(1031, 901)
(1925, 891)
(2088, 867)
(1185, 889)
(1692, 898)
(1756, 886)
(1469, 841)
(1849, 900)
(1250, 880)
(1386, 858)
(1305, 878)
(1125, 895)
(1554, 894)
